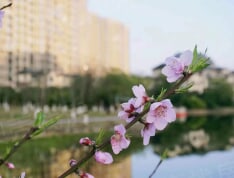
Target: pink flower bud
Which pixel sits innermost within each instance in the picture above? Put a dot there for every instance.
(10, 165)
(72, 162)
(103, 157)
(85, 175)
(86, 141)
(22, 175)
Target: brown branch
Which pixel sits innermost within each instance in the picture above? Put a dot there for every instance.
(6, 6)
(18, 144)
(127, 126)
(177, 85)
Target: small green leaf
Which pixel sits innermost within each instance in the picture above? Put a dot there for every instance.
(184, 89)
(100, 136)
(146, 106)
(46, 125)
(195, 53)
(8, 150)
(39, 119)
(164, 155)
(199, 61)
(163, 91)
(16, 143)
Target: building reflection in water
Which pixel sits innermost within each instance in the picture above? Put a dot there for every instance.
(119, 169)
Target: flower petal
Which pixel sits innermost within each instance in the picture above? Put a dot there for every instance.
(120, 128)
(170, 115)
(123, 115)
(172, 79)
(138, 91)
(139, 102)
(129, 119)
(124, 143)
(115, 145)
(150, 118)
(167, 103)
(160, 124)
(146, 132)
(103, 157)
(146, 138)
(171, 60)
(186, 57)
(167, 71)
(155, 105)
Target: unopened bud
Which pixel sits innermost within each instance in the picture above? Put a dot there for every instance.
(85, 175)
(72, 162)
(10, 165)
(86, 141)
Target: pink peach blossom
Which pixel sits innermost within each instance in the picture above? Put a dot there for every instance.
(161, 113)
(118, 140)
(140, 94)
(175, 66)
(127, 109)
(148, 131)
(103, 157)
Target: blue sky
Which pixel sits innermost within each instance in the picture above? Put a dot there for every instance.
(160, 28)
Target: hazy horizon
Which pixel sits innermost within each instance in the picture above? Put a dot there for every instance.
(159, 29)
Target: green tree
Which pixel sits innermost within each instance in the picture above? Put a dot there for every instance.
(218, 94)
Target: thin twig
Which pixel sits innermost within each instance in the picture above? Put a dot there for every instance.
(8, 5)
(18, 144)
(156, 168)
(177, 85)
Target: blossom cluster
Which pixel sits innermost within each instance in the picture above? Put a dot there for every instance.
(159, 113)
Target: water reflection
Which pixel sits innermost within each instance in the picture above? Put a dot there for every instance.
(100, 171)
(49, 157)
(216, 164)
(196, 135)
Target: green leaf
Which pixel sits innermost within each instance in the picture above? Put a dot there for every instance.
(185, 88)
(16, 143)
(194, 54)
(163, 91)
(39, 119)
(199, 61)
(164, 155)
(46, 125)
(8, 150)
(146, 106)
(100, 136)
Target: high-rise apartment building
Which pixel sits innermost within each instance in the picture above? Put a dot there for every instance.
(41, 36)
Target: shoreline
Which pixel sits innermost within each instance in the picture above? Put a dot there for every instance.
(217, 111)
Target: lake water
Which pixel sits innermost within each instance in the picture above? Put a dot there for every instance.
(215, 164)
(200, 147)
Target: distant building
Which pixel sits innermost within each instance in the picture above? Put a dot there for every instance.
(61, 36)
